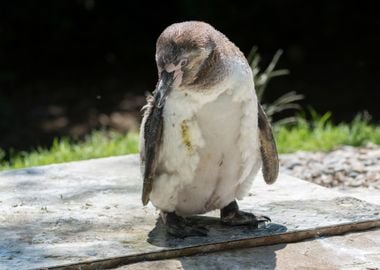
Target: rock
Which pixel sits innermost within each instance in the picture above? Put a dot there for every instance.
(347, 166)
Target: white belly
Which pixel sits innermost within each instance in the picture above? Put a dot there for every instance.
(217, 175)
(207, 155)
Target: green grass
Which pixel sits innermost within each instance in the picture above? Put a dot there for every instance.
(97, 144)
(318, 134)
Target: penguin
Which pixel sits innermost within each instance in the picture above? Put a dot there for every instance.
(204, 135)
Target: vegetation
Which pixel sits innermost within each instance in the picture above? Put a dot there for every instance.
(317, 134)
(292, 133)
(295, 132)
(96, 145)
(288, 101)
(320, 134)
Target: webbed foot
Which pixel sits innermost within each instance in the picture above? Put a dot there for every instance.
(178, 226)
(232, 216)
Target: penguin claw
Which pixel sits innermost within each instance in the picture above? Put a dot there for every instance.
(180, 228)
(232, 216)
(184, 231)
(244, 218)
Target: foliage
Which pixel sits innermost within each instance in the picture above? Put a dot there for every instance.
(285, 102)
(320, 134)
(98, 144)
(317, 134)
(292, 133)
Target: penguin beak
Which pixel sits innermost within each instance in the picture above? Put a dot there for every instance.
(164, 88)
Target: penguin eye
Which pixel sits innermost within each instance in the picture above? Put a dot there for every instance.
(183, 62)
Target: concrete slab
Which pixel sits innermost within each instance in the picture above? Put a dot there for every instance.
(370, 195)
(91, 211)
(352, 251)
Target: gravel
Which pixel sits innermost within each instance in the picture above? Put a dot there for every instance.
(345, 167)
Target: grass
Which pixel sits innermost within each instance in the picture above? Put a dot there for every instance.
(320, 134)
(262, 78)
(317, 134)
(97, 144)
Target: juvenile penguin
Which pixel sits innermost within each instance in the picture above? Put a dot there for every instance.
(204, 135)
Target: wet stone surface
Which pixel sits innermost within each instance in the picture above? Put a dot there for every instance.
(344, 167)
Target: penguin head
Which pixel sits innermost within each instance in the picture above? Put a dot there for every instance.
(187, 52)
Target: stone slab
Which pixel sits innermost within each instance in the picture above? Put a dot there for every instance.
(91, 211)
(370, 195)
(354, 251)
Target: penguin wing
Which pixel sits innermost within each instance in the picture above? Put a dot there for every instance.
(268, 148)
(150, 145)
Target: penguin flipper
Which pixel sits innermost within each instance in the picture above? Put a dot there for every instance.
(269, 156)
(150, 146)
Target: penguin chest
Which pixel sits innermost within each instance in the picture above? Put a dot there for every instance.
(201, 160)
(217, 174)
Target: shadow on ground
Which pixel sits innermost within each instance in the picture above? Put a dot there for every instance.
(217, 233)
(264, 258)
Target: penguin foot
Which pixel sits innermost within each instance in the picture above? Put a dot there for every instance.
(179, 227)
(232, 216)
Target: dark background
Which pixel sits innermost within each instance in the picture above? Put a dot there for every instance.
(67, 67)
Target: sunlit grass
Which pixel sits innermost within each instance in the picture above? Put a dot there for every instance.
(318, 134)
(97, 144)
